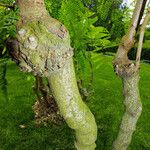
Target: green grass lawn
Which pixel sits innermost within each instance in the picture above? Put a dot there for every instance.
(106, 104)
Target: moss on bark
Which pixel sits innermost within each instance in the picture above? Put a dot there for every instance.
(44, 49)
(75, 112)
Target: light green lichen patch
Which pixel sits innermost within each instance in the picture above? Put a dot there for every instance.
(43, 50)
(72, 108)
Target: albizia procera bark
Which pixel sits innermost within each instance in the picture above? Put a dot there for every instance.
(43, 48)
(129, 72)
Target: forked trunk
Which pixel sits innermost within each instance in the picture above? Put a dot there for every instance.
(128, 71)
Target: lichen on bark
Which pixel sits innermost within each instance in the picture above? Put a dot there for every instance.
(73, 109)
(40, 50)
(128, 71)
(133, 109)
(43, 48)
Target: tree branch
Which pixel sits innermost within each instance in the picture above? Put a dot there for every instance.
(128, 40)
(142, 31)
(141, 13)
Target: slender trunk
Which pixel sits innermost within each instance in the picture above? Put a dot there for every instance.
(128, 71)
(132, 113)
(44, 49)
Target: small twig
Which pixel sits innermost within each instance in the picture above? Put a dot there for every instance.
(142, 31)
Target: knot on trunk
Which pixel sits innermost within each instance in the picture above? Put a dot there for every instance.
(125, 69)
(41, 49)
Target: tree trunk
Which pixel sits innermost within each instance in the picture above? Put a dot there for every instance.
(133, 111)
(73, 109)
(128, 71)
(43, 48)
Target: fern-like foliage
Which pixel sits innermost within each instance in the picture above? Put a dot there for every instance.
(110, 15)
(80, 21)
(85, 37)
(53, 6)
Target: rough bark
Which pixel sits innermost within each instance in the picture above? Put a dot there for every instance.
(73, 109)
(129, 73)
(43, 48)
(128, 39)
(133, 111)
